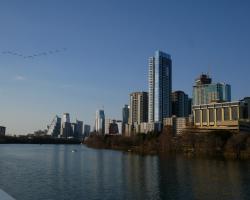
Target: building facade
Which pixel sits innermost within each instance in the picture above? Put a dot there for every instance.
(138, 108)
(205, 92)
(86, 130)
(226, 115)
(100, 122)
(160, 87)
(180, 104)
(54, 128)
(2, 130)
(125, 114)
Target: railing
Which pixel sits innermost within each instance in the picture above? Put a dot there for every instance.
(5, 196)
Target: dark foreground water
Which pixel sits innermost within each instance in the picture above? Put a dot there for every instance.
(44, 172)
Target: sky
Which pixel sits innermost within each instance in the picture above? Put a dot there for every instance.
(100, 51)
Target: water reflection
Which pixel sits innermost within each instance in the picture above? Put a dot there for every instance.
(54, 172)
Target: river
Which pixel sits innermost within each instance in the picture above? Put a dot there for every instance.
(72, 172)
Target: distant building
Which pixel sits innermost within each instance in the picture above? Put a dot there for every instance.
(66, 128)
(79, 129)
(2, 130)
(107, 124)
(178, 124)
(138, 107)
(54, 128)
(113, 128)
(86, 130)
(205, 92)
(125, 114)
(100, 122)
(180, 104)
(160, 87)
(120, 126)
(226, 115)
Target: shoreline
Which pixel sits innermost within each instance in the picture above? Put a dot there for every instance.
(218, 144)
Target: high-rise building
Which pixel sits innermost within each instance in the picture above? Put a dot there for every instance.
(66, 118)
(100, 122)
(54, 128)
(205, 92)
(77, 129)
(180, 104)
(125, 114)
(138, 107)
(160, 87)
(86, 130)
(2, 130)
(66, 128)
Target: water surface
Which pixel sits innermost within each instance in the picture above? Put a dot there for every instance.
(54, 172)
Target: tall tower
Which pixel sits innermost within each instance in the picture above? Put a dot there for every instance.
(66, 118)
(138, 108)
(125, 114)
(160, 87)
(100, 122)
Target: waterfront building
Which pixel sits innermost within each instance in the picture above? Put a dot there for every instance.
(138, 107)
(180, 104)
(120, 126)
(205, 92)
(54, 128)
(178, 124)
(86, 130)
(77, 129)
(100, 122)
(226, 115)
(107, 124)
(66, 128)
(113, 127)
(160, 87)
(125, 114)
(2, 130)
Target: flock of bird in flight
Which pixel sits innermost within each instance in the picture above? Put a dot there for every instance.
(50, 52)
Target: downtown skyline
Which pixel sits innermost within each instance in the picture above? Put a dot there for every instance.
(102, 68)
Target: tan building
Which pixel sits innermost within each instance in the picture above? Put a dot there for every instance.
(227, 115)
(138, 108)
(178, 124)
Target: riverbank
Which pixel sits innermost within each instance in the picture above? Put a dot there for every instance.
(37, 140)
(192, 143)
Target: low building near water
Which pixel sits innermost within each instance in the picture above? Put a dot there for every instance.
(225, 115)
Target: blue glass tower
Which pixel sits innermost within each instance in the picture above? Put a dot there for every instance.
(160, 87)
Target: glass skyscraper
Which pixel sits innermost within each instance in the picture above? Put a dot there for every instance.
(205, 92)
(160, 87)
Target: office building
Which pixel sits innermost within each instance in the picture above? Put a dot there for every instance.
(100, 122)
(54, 128)
(138, 107)
(125, 114)
(66, 128)
(177, 124)
(205, 92)
(160, 87)
(226, 115)
(77, 129)
(86, 130)
(180, 104)
(2, 130)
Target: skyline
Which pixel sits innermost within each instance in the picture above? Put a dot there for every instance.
(107, 53)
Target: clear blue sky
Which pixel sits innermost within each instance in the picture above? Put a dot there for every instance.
(108, 44)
